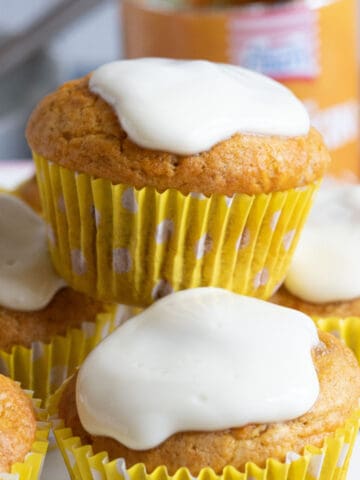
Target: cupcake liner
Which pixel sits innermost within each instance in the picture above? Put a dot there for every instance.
(131, 246)
(30, 468)
(329, 462)
(45, 366)
(347, 329)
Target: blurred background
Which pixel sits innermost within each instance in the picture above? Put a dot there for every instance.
(309, 45)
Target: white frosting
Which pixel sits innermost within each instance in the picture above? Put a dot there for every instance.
(186, 107)
(198, 360)
(27, 278)
(326, 264)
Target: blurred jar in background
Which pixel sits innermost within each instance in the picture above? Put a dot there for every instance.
(310, 46)
(20, 90)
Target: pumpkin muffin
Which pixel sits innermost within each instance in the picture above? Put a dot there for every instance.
(324, 278)
(68, 309)
(148, 221)
(40, 317)
(35, 303)
(17, 424)
(343, 309)
(195, 358)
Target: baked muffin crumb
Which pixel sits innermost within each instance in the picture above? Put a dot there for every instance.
(78, 130)
(17, 424)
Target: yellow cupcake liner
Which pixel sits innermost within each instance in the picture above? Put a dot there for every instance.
(329, 462)
(131, 246)
(30, 468)
(347, 329)
(43, 367)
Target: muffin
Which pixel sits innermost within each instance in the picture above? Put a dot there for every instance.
(324, 278)
(197, 361)
(56, 325)
(18, 433)
(67, 309)
(157, 185)
(18, 424)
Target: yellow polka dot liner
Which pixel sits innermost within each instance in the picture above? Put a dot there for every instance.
(45, 366)
(31, 467)
(119, 244)
(329, 462)
(347, 329)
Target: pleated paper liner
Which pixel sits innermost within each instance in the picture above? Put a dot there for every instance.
(330, 462)
(347, 329)
(31, 467)
(131, 246)
(45, 366)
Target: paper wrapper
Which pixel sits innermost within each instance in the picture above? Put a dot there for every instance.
(45, 366)
(329, 462)
(347, 329)
(131, 246)
(31, 467)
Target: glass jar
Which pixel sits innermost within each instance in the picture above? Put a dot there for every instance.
(310, 46)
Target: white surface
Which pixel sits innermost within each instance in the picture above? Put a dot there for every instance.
(187, 107)
(54, 468)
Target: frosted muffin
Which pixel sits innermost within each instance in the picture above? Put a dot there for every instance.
(56, 325)
(203, 379)
(324, 278)
(67, 309)
(158, 185)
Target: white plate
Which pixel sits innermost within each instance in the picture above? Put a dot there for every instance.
(12, 173)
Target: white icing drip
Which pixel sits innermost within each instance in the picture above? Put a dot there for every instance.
(27, 279)
(187, 107)
(326, 264)
(198, 360)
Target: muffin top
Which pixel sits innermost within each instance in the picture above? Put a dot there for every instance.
(35, 303)
(342, 308)
(28, 280)
(77, 129)
(326, 264)
(67, 309)
(17, 424)
(339, 389)
(199, 359)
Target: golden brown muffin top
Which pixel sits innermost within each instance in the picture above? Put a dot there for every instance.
(17, 424)
(78, 130)
(348, 308)
(339, 377)
(68, 309)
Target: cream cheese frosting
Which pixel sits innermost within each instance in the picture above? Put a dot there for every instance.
(186, 107)
(198, 360)
(326, 264)
(27, 278)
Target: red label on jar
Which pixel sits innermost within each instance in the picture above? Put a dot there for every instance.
(278, 41)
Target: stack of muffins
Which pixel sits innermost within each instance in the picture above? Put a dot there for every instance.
(157, 176)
